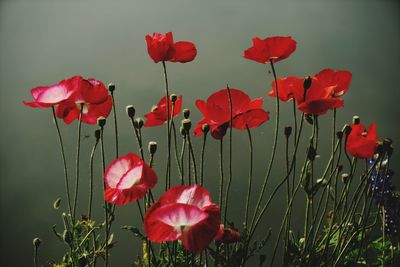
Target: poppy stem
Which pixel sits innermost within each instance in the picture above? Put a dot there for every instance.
(167, 101)
(176, 151)
(35, 255)
(91, 178)
(221, 171)
(250, 177)
(63, 159)
(106, 215)
(203, 148)
(191, 151)
(274, 146)
(182, 158)
(115, 125)
(78, 152)
(230, 155)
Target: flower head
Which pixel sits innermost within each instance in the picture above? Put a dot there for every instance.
(184, 213)
(324, 94)
(271, 49)
(161, 47)
(216, 112)
(127, 180)
(362, 143)
(47, 96)
(89, 96)
(158, 114)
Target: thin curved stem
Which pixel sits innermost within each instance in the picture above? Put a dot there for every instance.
(274, 146)
(91, 179)
(250, 177)
(115, 126)
(221, 171)
(78, 150)
(203, 148)
(228, 187)
(64, 160)
(167, 101)
(106, 215)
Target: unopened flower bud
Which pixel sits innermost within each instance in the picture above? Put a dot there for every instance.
(101, 121)
(186, 113)
(173, 98)
(205, 128)
(36, 242)
(288, 131)
(97, 134)
(152, 147)
(345, 177)
(187, 124)
(138, 123)
(111, 87)
(130, 110)
(307, 83)
(356, 120)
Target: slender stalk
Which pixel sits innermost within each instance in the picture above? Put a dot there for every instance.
(203, 148)
(35, 256)
(246, 214)
(274, 146)
(91, 178)
(78, 150)
(191, 152)
(221, 171)
(115, 125)
(182, 158)
(106, 215)
(230, 155)
(63, 159)
(176, 150)
(167, 100)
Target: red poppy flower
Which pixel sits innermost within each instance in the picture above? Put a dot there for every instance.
(162, 48)
(361, 143)
(89, 95)
(326, 88)
(127, 179)
(227, 235)
(216, 112)
(158, 114)
(47, 96)
(270, 49)
(184, 213)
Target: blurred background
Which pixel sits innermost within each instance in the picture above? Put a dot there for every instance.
(43, 42)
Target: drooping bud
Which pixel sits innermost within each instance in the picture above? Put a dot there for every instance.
(347, 129)
(205, 128)
(111, 87)
(138, 123)
(356, 119)
(186, 113)
(173, 98)
(187, 124)
(130, 110)
(307, 83)
(36, 242)
(288, 131)
(345, 177)
(101, 121)
(152, 147)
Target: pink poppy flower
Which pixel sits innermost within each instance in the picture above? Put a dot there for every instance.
(270, 49)
(47, 96)
(184, 213)
(89, 95)
(162, 48)
(127, 180)
(216, 112)
(158, 114)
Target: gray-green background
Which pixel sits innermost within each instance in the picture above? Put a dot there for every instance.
(42, 42)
